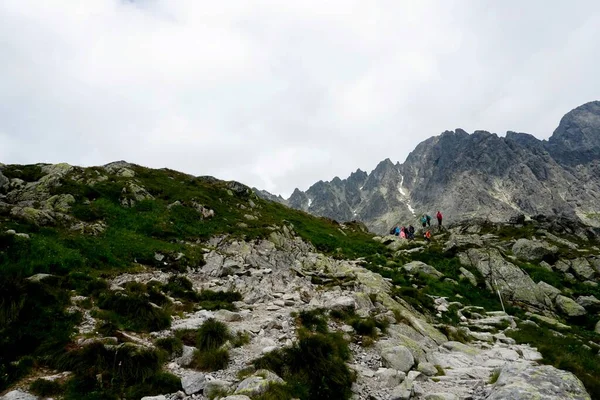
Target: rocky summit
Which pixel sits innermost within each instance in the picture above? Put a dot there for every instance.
(473, 175)
(123, 282)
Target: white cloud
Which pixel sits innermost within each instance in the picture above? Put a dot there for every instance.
(282, 94)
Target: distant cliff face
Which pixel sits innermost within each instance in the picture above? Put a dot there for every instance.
(474, 175)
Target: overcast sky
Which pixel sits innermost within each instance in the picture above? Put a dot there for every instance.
(280, 94)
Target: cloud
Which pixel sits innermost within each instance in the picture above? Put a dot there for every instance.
(278, 94)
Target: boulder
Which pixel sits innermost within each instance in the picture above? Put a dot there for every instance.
(34, 216)
(193, 382)
(227, 316)
(549, 290)
(60, 203)
(403, 391)
(187, 356)
(533, 250)
(214, 387)
(427, 368)
(569, 307)
(582, 268)
(530, 381)
(237, 397)
(597, 329)
(415, 267)
(18, 395)
(258, 383)
(562, 265)
(588, 301)
(513, 283)
(160, 397)
(441, 396)
(4, 182)
(133, 193)
(399, 358)
(468, 275)
(343, 303)
(390, 377)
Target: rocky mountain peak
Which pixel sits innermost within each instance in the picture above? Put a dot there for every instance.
(477, 175)
(577, 138)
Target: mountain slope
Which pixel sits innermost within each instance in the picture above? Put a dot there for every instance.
(120, 282)
(474, 175)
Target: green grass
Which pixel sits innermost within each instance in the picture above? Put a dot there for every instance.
(314, 368)
(46, 388)
(212, 335)
(363, 326)
(210, 360)
(132, 311)
(313, 320)
(171, 345)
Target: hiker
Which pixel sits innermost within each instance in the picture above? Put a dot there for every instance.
(439, 218)
(397, 231)
(427, 236)
(411, 232)
(428, 219)
(402, 233)
(424, 221)
(393, 230)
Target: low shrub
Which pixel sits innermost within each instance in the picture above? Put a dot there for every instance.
(210, 360)
(172, 345)
(45, 388)
(133, 311)
(315, 367)
(212, 335)
(313, 320)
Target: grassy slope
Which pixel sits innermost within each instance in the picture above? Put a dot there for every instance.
(134, 235)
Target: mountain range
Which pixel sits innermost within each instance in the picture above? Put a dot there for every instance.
(480, 175)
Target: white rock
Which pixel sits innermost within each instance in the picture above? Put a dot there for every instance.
(193, 382)
(18, 395)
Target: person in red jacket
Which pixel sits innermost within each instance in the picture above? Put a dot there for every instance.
(439, 218)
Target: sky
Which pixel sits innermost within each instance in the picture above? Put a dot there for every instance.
(281, 94)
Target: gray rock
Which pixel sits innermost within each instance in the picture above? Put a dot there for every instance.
(237, 397)
(582, 268)
(214, 387)
(468, 275)
(441, 396)
(427, 368)
(186, 357)
(390, 377)
(160, 397)
(4, 182)
(403, 391)
(569, 307)
(343, 303)
(227, 316)
(549, 290)
(562, 265)
(597, 328)
(258, 383)
(415, 267)
(588, 301)
(18, 395)
(399, 358)
(527, 381)
(193, 382)
(532, 250)
(500, 274)
(38, 277)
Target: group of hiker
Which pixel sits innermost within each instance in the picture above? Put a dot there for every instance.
(409, 233)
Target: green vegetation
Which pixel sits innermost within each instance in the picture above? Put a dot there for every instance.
(313, 368)
(46, 388)
(171, 345)
(494, 377)
(210, 338)
(313, 320)
(363, 326)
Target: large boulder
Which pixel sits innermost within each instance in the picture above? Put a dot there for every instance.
(569, 307)
(18, 395)
(399, 358)
(416, 267)
(582, 268)
(597, 329)
(258, 383)
(588, 302)
(193, 382)
(528, 381)
(533, 250)
(4, 182)
(499, 274)
(549, 290)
